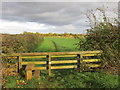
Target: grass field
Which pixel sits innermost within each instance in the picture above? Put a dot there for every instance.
(69, 78)
(53, 44)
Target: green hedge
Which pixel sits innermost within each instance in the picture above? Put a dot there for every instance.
(18, 43)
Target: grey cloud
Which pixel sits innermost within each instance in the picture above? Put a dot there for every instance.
(50, 13)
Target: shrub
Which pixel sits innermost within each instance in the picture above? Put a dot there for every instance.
(19, 43)
(11, 44)
(32, 41)
(104, 36)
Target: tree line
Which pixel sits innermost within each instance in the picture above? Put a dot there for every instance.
(65, 34)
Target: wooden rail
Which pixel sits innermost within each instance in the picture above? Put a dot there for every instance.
(56, 53)
(52, 60)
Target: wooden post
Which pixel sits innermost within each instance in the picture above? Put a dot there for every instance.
(28, 69)
(19, 63)
(79, 60)
(28, 75)
(37, 73)
(78, 66)
(49, 64)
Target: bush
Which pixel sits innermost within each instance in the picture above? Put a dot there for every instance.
(19, 43)
(32, 41)
(103, 36)
(11, 44)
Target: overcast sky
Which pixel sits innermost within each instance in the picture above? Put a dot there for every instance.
(45, 17)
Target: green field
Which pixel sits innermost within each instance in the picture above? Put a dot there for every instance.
(58, 44)
(70, 78)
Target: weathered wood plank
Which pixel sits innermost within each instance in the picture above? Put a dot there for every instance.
(33, 56)
(64, 56)
(8, 56)
(39, 68)
(28, 75)
(91, 60)
(37, 73)
(55, 53)
(19, 63)
(34, 62)
(93, 65)
(64, 67)
(63, 61)
(29, 67)
(94, 54)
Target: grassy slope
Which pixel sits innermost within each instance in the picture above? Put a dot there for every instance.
(63, 44)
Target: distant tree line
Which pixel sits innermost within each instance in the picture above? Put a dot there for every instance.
(58, 34)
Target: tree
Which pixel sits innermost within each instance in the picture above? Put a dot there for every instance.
(103, 35)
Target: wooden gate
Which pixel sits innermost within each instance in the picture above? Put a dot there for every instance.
(56, 60)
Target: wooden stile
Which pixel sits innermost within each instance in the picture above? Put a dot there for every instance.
(37, 73)
(29, 67)
(28, 75)
(29, 71)
(39, 68)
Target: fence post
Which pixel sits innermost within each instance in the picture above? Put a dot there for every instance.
(49, 64)
(79, 60)
(19, 63)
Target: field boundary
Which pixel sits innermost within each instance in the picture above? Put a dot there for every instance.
(75, 59)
